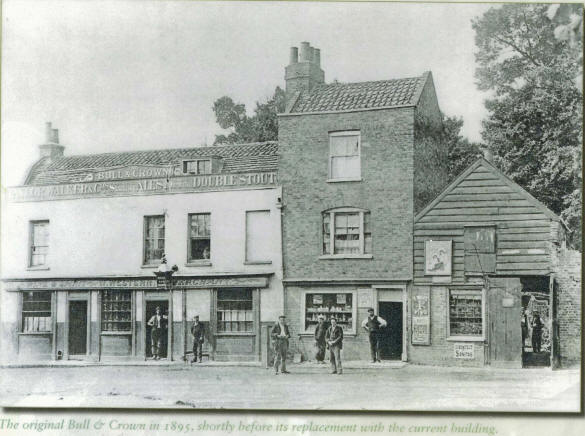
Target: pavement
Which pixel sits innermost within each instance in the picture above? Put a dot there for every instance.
(363, 386)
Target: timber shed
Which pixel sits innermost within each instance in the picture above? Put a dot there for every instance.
(487, 257)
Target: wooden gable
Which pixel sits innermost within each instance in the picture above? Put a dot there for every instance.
(483, 198)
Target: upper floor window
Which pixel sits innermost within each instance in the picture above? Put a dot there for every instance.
(344, 156)
(39, 243)
(480, 249)
(346, 231)
(199, 236)
(258, 236)
(200, 166)
(154, 239)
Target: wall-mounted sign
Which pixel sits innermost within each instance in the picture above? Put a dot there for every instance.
(463, 351)
(508, 302)
(421, 316)
(341, 298)
(365, 298)
(317, 298)
(116, 188)
(438, 258)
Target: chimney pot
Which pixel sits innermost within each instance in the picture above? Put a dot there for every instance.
(48, 132)
(305, 52)
(294, 55)
(51, 147)
(317, 57)
(55, 136)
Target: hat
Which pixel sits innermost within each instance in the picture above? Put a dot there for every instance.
(281, 316)
(196, 316)
(333, 319)
(371, 309)
(320, 317)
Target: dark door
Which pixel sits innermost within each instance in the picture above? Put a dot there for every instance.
(150, 311)
(77, 327)
(505, 333)
(391, 336)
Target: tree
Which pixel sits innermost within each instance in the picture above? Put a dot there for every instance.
(535, 115)
(262, 126)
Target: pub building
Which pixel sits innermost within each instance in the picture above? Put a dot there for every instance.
(487, 257)
(84, 238)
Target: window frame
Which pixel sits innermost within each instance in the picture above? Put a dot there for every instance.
(332, 255)
(191, 261)
(196, 161)
(254, 321)
(352, 331)
(467, 338)
(104, 300)
(155, 262)
(21, 317)
(248, 261)
(492, 226)
(358, 178)
(31, 245)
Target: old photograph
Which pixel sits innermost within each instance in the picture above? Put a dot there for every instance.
(291, 206)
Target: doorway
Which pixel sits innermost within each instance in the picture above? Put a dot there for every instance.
(151, 306)
(391, 336)
(77, 341)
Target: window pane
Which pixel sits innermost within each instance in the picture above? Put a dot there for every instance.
(328, 305)
(36, 312)
(347, 233)
(465, 313)
(258, 236)
(154, 243)
(116, 311)
(204, 167)
(39, 247)
(234, 310)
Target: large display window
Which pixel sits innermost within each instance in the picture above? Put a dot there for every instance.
(117, 311)
(466, 314)
(338, 304)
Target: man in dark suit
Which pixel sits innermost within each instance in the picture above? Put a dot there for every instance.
(198, 332)
(334, 337)
(320, 342)
(280, 335)
(537, 326)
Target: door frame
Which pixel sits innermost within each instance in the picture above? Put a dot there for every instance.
(150, 296)
(78, 296)
(380, 297)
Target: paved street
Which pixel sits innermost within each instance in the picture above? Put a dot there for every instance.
(307, 387)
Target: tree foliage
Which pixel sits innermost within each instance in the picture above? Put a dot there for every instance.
(535, 115)
(262, 126)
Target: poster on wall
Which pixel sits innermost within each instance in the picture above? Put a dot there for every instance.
(341, 299)
(421, 318)
(438, 258)
(317, 299)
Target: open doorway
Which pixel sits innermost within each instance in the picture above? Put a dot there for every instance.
(159, 347)
(391, 336)
(536, 323)
(77, 340)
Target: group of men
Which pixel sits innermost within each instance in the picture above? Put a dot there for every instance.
(326, 337)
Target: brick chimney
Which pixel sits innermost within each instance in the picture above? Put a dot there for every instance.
(51, 148)
(304, 70)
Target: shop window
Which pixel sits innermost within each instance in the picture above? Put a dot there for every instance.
(117, 311)
(201, 166)
(329, 304)
(199, 237)
(347, 232)
(39, 243)
(480, 249)
(36, 312)
(344, 156)
(258, 236)
(235, 312)
(466, 314)
(154, 239)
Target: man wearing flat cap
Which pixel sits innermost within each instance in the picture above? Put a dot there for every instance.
(280, 335)
(320, 342)
(373, 325)
(198, 332)
(537, 326)
(334, 337)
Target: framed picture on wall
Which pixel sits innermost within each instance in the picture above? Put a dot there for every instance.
(438, 256)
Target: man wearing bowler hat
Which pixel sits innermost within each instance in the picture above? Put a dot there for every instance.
(373, 325)
(280, 335)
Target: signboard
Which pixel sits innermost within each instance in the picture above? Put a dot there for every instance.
(438, 258)
(365, 298)
(463, 351)
(317, 299)
(114, 188)
(341, 299)
(421, 317)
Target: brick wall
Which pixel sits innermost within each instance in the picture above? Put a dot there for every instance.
(568, 278)
(440, 351)
(385, 190)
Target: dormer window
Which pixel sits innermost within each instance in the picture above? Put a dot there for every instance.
(198, 166)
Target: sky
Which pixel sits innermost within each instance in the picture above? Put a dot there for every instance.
(143, 75)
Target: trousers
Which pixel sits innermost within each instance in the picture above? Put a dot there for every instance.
(280, 349)
(197, 350)
(155, 341)
(320, 354)
(536, 340)
(335, 357)
(375, 345)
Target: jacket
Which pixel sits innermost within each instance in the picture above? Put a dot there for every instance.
(320, 332)
(334, 335)
(276, 331)
(198, 332)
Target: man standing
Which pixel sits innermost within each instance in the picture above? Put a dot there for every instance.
(334, 337)
(537, 326)
(156, 322)
(198, 332)
(280, 335)
(373, 325)
(320, 339)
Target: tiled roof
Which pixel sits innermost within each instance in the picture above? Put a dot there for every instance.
(237, 158)
(362, 95)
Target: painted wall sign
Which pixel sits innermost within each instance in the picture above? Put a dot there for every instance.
(221, 282)
(464, 351)
(365, 298)
(438, 258)
(173, 185)
(421, 317)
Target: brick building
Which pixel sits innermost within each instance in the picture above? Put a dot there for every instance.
(354, 170)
